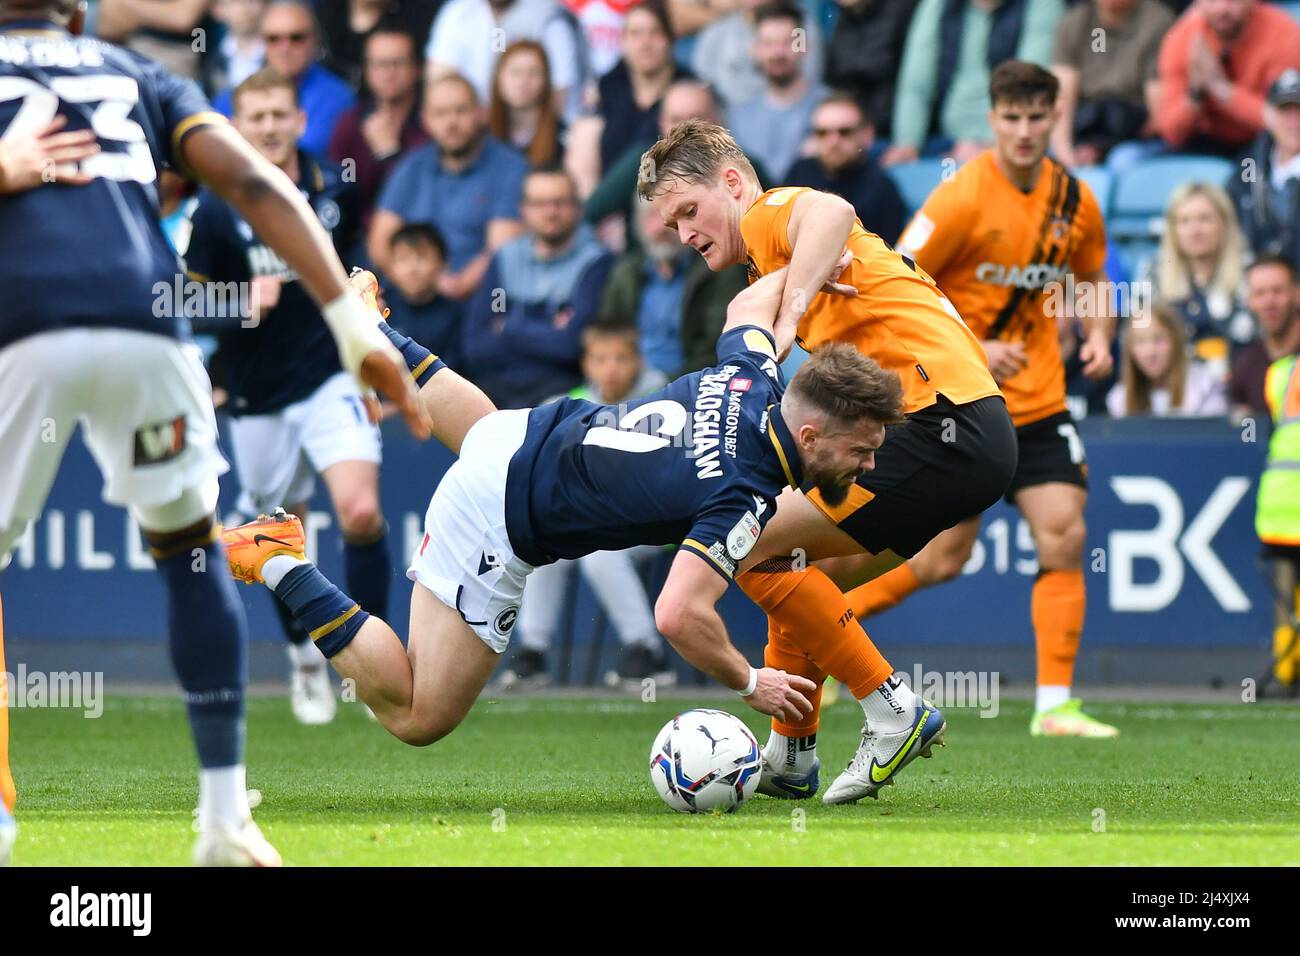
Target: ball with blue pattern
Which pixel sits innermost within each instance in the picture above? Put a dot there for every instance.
(705, 760)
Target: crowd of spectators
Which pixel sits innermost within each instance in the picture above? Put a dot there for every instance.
(494, 146)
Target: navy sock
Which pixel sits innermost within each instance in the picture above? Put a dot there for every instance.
(292, 632)
(209, 646)
(329, 616)
(422, 363)
(369, 570)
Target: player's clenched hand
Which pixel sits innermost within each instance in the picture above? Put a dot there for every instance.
(1096, 357)
(781, 695)
(1005, 358)
(366, 353)
(833, 285)
(46, 156)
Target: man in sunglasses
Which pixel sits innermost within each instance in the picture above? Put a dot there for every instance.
(843, 135)
(293, 49)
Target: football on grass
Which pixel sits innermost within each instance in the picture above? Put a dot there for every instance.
(705, 760)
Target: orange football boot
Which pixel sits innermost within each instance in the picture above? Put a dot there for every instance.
(249, 545)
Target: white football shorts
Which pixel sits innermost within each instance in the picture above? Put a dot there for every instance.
(279, 454)
(143, 400)
(465, 557)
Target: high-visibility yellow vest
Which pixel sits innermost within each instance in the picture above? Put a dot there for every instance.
(1277, 509)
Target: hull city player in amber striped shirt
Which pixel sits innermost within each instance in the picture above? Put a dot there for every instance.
(1000, 238)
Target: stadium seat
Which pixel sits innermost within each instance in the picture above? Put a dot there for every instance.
(1101, 182)
(1141, 194)
(917, 180)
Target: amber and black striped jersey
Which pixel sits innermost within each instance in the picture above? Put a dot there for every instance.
(899, 317)
(1002, 256)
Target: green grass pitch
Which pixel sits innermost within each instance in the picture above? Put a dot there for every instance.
(565, 781)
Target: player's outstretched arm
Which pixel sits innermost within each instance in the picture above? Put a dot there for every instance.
(818, 231)
(275, 209)
(686, 614)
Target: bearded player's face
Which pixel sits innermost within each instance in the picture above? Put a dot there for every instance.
(706, 216)
(1022, 131)
(835, 459)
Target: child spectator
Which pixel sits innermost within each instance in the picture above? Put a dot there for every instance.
(1156, 376)
(418, 255)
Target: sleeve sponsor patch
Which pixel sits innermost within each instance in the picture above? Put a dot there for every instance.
(917, 234)
(718, 552)
(742, 538)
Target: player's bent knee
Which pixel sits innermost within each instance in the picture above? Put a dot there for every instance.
(419, 735)
(947, 567)
(943, 564)
(421, 729)
(1061, 548)
(360, 515)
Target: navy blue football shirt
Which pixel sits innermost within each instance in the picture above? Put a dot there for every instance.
(290, 352)
(94, 255)
(698, 463)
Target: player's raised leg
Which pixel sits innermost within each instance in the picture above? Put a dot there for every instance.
(470, 587)
(420, 692)
(1055, 515)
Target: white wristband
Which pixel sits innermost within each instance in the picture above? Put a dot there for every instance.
(355, 327)
(752, 685)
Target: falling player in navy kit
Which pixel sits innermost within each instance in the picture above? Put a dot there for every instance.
(89, 336)
(698, 463)
(294, 412)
